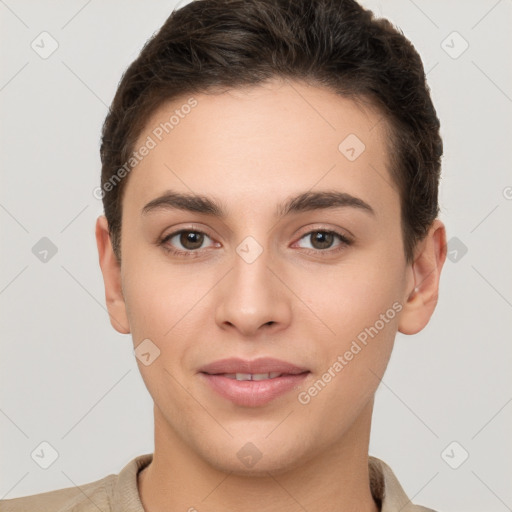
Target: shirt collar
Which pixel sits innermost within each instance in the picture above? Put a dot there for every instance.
(387, 491)
(385, 487)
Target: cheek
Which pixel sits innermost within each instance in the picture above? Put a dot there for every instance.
(162, 305)
(352, 296)
(360, 305)
(158, 297)
(360, 302)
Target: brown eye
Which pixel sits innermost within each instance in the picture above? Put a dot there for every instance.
(186, 242)
(321, 239)
(324, 241)
(191, 239)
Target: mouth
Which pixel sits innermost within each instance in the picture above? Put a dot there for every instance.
(252, 376)
(252, 383)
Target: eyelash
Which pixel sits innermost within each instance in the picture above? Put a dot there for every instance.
(344, 242)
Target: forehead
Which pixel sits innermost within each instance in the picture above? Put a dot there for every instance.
(276, 138)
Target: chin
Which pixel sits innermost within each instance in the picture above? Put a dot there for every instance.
(254, 458)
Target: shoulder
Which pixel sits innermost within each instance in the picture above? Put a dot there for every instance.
(84, 498)
(119, 492)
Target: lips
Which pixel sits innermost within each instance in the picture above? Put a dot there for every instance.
(252, 383)
(252, 376)
(259, 366)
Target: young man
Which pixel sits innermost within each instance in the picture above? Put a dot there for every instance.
(270, 181)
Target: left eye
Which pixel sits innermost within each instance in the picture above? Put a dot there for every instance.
(321, 240)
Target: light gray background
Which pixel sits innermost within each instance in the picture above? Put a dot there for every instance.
(69, 379)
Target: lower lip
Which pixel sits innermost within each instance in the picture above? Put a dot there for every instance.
(253, 393)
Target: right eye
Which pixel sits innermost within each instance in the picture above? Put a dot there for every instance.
(184, 242)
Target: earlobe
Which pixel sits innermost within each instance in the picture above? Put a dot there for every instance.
(421, 300)
(111, 270)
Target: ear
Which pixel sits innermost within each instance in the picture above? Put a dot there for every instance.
(111, 270)
(423, 288)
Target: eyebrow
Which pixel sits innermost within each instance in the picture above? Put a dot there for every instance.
(306, 201)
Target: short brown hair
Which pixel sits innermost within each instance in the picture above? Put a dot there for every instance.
(337, 44)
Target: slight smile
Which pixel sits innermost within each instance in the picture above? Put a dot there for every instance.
(252, 383)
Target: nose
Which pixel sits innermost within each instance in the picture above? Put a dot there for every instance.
(252, 299)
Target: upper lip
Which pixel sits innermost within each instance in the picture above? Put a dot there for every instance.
(256, 366)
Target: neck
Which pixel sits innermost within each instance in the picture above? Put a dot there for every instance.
(334, 480)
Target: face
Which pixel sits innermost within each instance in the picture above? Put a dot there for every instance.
(288, 270)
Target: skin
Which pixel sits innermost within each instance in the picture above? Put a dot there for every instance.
(251, 150)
